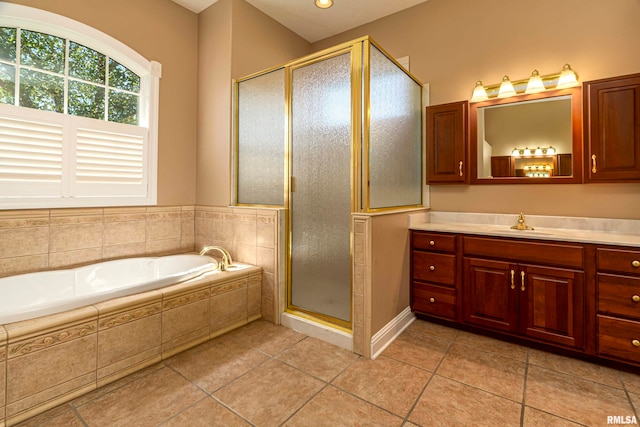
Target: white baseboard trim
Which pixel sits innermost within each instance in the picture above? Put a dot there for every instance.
(317, 330)
(385, 336)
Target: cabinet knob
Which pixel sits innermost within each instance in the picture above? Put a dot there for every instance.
(432, 268)
(635, 263)
(635, 298)
(432, 243)
(434, 300)
(635, 343)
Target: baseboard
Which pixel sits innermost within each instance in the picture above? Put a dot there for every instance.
(317, 330)
(385, 336)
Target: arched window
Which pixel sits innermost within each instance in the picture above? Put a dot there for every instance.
(78, 115)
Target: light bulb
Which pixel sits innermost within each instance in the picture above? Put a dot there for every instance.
(479, 93)
(506, 88)
(527, 152)
(567, 78)
(551, 151)
(535, 83)
(324, 4)
(538, 151)
(515, 152)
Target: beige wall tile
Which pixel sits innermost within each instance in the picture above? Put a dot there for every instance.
(181, 320)
(254, 296)
(162, 247)
(266, 231)
(244, 253)
(25, 264)
(67, 237)
(115, 344)
(163, 226)
(123, 232)
(268, 285)
(80, 256)
(128, 250)
(38, 371)
(3, 366)
(228, 304)
(21, 241)
(266, 258)
(244, 231)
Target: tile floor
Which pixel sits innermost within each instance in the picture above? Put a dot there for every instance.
(266, 375)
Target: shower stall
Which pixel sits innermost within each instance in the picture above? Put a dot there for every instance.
(325, 137)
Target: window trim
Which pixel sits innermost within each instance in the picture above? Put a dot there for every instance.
(150, 72)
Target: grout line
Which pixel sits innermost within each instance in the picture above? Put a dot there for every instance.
(524, 388)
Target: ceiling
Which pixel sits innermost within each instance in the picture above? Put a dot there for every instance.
(313, 24)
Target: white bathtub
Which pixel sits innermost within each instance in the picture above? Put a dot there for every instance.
(38, 294)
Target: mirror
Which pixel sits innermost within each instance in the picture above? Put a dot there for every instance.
(532, 138)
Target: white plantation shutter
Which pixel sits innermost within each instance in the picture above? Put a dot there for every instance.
(30, 156)
(55, 160)
(111, 163)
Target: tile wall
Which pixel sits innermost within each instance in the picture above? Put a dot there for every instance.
(43, 239)
(46, 239)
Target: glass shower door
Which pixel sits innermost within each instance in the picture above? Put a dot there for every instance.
(320, 201)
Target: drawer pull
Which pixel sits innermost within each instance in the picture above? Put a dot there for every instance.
(432, 243)
(594, 167)
(513, 279)
(432, 268)
(522, 278)
(635, 298)
(460, 168)
(635, 263)
(432, 300)
(635, 343)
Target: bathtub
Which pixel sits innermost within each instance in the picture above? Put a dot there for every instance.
(39, 294)
(83, 328)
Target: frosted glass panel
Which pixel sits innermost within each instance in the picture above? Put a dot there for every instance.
(261, 139)
(395, 142)
(321, 202)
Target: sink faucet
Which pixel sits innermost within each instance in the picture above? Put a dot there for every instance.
(521, 225)
(226, 257)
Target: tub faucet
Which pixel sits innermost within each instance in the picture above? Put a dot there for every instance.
(226, 257)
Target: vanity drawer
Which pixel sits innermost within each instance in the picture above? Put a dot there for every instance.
(433, 241)
(619, 338)
(560, 254)
(435, 300)
(433, 267)
(620, 261)
(619, 295)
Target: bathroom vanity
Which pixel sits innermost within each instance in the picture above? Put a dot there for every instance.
(567, 288)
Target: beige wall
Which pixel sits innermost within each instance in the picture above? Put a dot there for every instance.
(453, 43)
(162, 31)
(236, 40)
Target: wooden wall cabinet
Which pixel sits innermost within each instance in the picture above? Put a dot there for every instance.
(612, 129)
(447, 141)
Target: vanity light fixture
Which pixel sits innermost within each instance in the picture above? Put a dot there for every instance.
(506, 88)
(324, 4)
(528, 152)
(535, 83)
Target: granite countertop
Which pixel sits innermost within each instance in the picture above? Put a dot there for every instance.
(569, 229)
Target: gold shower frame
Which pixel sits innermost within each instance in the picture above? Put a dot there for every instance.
(359, 50)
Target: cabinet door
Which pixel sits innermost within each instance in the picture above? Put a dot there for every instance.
(490, 294)
(552, 304)
(612, 129)
(446, 143)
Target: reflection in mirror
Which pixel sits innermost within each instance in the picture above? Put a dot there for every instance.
(527, 138)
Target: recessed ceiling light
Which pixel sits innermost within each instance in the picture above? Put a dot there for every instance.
(324, 4)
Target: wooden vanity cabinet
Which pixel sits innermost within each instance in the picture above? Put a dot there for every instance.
(447, 136)
(506, 289)
(434, 274)
(618, 303)
(612, 129)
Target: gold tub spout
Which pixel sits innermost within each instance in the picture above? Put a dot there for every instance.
(521, 225)
(226, 256)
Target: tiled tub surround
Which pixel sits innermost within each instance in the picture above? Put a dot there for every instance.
(605, 231)
(50, 360)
